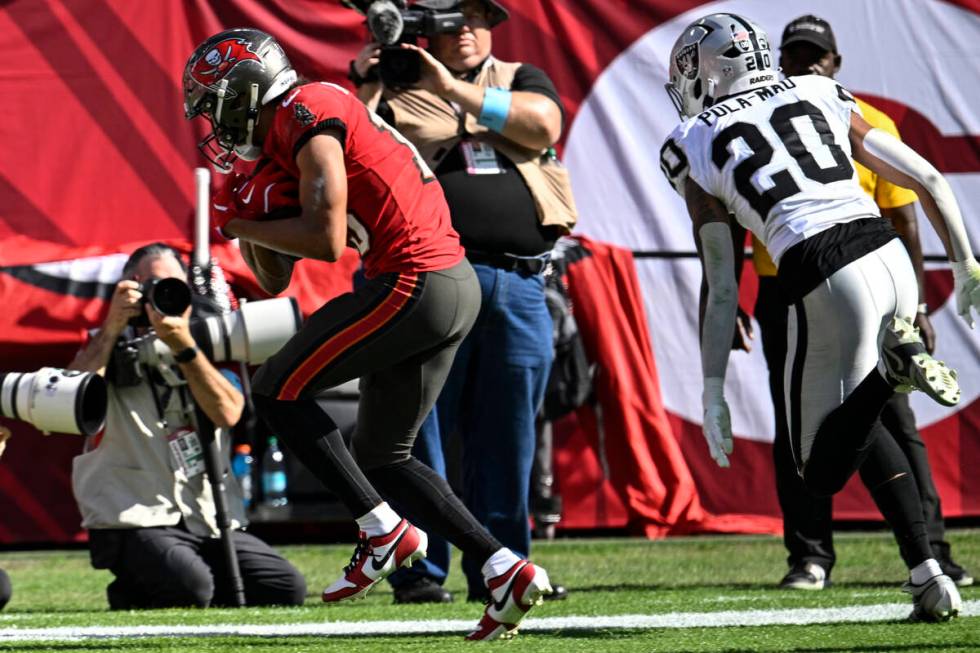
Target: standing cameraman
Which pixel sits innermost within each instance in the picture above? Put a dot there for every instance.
(141, 486)
(486, 128)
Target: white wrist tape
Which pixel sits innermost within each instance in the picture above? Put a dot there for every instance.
(882, 145)
(719, 315)
(965, 269)
(714, 390)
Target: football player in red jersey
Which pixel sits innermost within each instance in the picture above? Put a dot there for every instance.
(360, 184)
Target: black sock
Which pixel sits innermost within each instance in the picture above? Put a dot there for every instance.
(313, 437)
(428, 500)
(887, 475)
(846, 435)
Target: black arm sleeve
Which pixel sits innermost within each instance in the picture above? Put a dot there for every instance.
(532, 79)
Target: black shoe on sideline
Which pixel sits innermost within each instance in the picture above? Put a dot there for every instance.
(481, 596)
(423, 590)
(560, 592)
(960, 576)
(806, 576)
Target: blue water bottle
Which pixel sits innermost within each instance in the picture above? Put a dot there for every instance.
(241, 467)
(273, 476)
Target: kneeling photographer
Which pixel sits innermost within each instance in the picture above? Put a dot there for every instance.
(141, 484)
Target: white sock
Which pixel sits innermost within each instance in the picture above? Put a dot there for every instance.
(925, 570)
(499, 563)
(380, 521)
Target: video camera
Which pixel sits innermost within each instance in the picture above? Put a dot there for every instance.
(392, 23)
(249, 335)
(55, 400)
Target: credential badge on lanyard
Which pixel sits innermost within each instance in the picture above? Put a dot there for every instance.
(187, 450)
(481, 158)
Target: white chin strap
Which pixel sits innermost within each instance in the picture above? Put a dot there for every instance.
(220, 105)
(253, 114)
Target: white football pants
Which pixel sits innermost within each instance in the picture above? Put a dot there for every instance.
(834, 336)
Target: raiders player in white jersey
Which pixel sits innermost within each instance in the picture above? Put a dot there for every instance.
(777, 156)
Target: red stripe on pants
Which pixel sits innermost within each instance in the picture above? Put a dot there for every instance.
(348, 337)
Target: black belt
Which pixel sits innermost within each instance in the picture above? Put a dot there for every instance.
(527, 265)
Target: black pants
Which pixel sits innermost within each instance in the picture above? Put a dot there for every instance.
(807, 519)
(399, 333)
(5, 590)
(167, 567)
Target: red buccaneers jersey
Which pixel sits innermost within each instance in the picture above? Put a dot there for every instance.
(397, 216)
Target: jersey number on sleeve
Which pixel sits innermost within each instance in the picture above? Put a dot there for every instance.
(762, 152)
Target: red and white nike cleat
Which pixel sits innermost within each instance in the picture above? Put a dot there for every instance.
(375, 558)
(512, 594)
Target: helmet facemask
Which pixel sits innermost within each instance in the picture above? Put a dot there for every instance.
(228, 79)
(233, 121)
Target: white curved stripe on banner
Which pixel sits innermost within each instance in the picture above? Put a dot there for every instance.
(912, 51)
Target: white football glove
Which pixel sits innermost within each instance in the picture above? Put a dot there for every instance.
(717, 427)
(966, 285)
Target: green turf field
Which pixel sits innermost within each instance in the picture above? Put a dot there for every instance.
(718, 576)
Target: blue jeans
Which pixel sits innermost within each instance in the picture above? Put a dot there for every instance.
(490, 401)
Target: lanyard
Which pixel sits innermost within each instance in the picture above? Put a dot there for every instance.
(161, 402)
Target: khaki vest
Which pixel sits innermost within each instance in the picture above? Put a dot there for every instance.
(435, 128)
(132, 480)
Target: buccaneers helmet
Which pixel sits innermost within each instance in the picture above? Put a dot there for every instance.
(228, 79)
(717, 56)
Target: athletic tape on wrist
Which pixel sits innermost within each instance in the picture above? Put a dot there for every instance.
(495, 107)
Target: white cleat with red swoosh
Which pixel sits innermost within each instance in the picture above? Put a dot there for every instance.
(375, 558)
(512, 595)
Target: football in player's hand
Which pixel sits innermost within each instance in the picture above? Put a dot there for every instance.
(269, 193)
(272, 269)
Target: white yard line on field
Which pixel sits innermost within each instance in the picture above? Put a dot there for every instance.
(849, 614)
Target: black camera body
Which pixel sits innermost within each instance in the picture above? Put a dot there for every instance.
(125, 369)
(392, 23)
(169, 296)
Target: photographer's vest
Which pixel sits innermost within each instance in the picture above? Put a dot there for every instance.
(435, 128)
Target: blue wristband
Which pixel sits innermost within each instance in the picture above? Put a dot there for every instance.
(496, 106)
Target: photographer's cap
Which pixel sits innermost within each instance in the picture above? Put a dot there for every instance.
(810, 29)
(496, 13)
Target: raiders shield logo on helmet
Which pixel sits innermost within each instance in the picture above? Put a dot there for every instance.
(687, 61)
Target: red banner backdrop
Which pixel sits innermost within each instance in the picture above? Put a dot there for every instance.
(97, 159)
